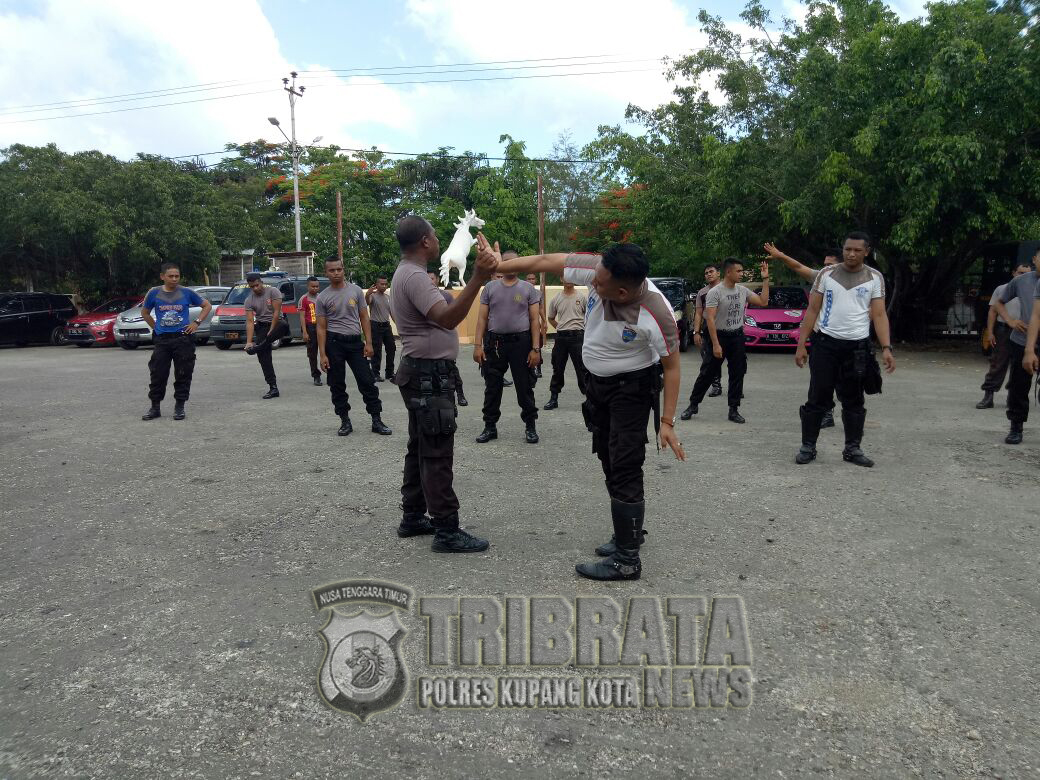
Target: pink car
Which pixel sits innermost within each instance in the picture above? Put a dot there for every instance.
(776, 325)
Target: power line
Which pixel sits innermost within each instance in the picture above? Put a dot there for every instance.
(476, 156)
(341, 86)
(392, 70)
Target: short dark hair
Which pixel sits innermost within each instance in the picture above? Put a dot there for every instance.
(383, 277)
(833, 252)
(709, 266)
(1024, 264)
(411, 230)
(858, 235)
(729, 262)
(253, 277)
(312, 278)
(626, 263)
(167, 266)
(333, 258)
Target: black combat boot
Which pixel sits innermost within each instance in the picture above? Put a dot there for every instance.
(376, 377)
(810, 433)
(1015, 434)
(716, 389)
(152, 413)
(623, 563)
(853, 422)
(553, 403)
(414, 524)
(734, 415)
(346, 428)
(378, 426)
(987, 400)
(531, 434)
(271, 393)
(507, 382)
(449, 538)
(611, 547)
(689, 411)
(462, 398)
(490, 432)
(317, 381)
(178, 411)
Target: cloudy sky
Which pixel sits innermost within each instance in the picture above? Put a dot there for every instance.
(72, 69)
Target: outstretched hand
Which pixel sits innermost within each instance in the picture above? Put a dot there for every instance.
(771, 250)
(488, 257)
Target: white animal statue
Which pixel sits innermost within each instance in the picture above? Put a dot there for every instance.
(458, 250)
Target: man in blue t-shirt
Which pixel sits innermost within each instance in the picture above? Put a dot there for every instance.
(167, 309)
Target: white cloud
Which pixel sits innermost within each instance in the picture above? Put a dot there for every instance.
(70, 50)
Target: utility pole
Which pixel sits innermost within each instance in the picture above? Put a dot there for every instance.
(293, 94)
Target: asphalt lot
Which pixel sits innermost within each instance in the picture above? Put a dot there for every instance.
(156, 617)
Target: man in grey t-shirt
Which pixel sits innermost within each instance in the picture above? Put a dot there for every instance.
(1023, 288)
(724, 312)
(508, 337)
(264, 326)
(345, 338)
(382, 334)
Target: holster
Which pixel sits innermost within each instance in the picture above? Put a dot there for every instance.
(435, 411)
(872, 376)
(656, 385)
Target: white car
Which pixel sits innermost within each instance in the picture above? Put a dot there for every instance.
(131, 331)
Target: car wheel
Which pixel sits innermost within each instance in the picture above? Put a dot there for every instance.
(202, 341)
(128, 345)
(58, 336)
(221, 344)
(684, 339)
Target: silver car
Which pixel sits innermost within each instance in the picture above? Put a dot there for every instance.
(131, 330)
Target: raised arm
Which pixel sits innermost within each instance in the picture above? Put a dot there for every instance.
(550, 263)
(761, 298)
(804, 271)
(449, 315)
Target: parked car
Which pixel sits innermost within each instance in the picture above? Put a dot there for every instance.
(34, 317)
(132, 331)
(682, 294)
(228, 324)
(777, 324)
(97, 325)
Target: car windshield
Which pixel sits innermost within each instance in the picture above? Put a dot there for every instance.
(238, 294)
(672, 290)
(115, 306)
(785, 298)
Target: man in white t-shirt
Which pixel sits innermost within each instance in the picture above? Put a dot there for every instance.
(846, 299)
(630, 335)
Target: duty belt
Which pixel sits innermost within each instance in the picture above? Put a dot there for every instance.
(381, 324)
(493, 336)
(569, 334)
(352, 338)
(428, 370)
(176, 335)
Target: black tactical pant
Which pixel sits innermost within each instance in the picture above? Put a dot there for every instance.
(263, 337)
(427, 485)
(568, 344)
(502, 351)
(178, 349)
(617, 411)
(1019, 384)
(383, 335)
(832, 370)
(342, 351)
(998, 359)
(706, 356)
(735, 355)
(312, 350)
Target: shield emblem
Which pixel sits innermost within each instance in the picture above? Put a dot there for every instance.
(362, 672)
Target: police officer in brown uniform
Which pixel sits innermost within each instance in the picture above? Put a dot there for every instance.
(426, 323)
(344, 339)
(508, 338)
(264, 326)
(630, 337)
(382, 334)
(567, 315)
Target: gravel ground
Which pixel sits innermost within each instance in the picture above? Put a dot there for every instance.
(156, 618)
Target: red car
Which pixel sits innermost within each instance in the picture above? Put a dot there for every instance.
(96, 326)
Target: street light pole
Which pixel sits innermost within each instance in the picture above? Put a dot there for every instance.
(293, 94)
